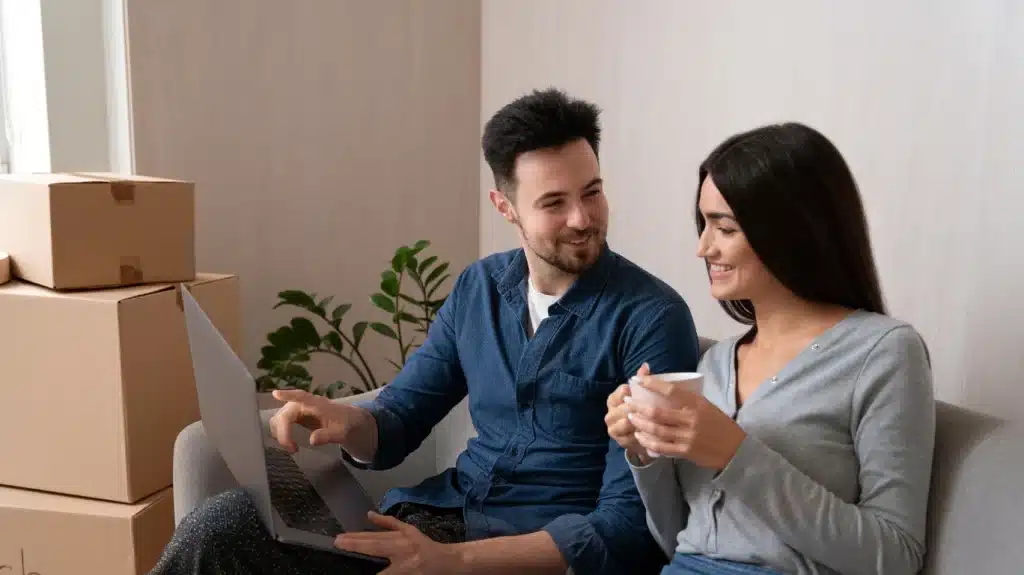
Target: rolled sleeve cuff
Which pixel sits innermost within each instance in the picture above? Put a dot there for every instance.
(389, 439)
(636, 465)
(578, 543)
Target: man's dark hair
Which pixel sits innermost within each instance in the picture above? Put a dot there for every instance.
(542, 119)
(797, 203)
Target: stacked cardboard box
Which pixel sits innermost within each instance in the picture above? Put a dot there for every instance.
(95, 366)
(5, 268)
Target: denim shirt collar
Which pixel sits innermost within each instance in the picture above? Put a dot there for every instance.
(580, 298)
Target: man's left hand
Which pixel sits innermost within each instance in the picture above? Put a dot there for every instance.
(408, 549)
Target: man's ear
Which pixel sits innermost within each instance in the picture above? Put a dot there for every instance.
(503, 205)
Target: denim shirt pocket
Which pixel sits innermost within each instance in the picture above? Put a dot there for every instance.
(574, 408)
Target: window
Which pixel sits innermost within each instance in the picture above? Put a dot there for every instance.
(24, 125)
(5, 125)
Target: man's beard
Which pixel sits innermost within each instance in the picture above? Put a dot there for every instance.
(567, 258)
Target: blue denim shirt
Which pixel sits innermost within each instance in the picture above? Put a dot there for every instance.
(542, 458)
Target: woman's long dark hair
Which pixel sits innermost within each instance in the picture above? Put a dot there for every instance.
(798, 205)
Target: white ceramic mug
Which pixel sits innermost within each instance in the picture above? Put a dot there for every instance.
(691, 381)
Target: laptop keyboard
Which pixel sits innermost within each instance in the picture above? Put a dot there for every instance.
(295, 498)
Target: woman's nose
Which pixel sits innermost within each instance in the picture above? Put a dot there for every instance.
(703, 245)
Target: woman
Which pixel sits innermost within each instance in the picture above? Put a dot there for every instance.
(810, 448)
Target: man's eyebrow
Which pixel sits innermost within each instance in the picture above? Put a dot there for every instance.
(550, 195)
(556, 193)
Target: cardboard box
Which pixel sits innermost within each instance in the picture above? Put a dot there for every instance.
(67, 231)
(98, 384)
(47, 534)
(5, 268)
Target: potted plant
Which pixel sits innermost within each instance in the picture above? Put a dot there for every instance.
(410, 295)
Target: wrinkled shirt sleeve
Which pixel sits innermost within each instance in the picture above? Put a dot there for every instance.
(430, 384)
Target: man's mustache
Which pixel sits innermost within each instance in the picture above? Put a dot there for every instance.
(582, 236)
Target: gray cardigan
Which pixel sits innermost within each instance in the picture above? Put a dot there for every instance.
(834, 474)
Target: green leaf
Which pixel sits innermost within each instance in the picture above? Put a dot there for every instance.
(294, 382)
(300, 357)
(398, 367)
(414, 302)
(266, 383)
(440, 281)
(297, 371)
(305, 332)
(297, 298)
(272, 353)
(282, 338)
(333, 341)
(407, 317)
(436, 273)
(421, 245)
(389, 283)
(398, 262)
(436, 304)
(384, 330)
(335, 389)
(411, 263)
(358, 330)
(323, 306)
(383, 302)
(265, 363)
(340, 311)
(426, 264)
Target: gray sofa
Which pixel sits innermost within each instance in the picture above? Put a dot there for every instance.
(976, 516)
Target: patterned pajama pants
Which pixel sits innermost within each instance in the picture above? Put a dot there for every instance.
(225, 536)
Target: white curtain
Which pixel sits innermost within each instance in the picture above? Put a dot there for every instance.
(5, 124)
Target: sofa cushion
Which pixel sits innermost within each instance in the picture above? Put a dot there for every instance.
(976, 515)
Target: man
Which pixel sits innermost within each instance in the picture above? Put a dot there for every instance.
(538, 338)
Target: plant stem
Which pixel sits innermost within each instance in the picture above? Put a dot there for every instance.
(359, 354)
(355, 367)
(426, 310)
(398, 319)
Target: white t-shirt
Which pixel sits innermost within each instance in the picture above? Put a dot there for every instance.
(538, 304)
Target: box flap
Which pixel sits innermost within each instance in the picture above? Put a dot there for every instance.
(21, 288)
(114, 177)
(47, 179)
(30, 500)
(83, 177)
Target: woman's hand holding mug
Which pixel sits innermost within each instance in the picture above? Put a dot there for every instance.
(667, 415)
(619, 427)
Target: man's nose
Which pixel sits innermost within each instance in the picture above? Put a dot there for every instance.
(579, 219)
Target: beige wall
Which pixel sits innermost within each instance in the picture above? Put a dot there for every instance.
(923, 98)
(321, 135)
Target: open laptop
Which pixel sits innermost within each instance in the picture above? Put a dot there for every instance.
(305, 498)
